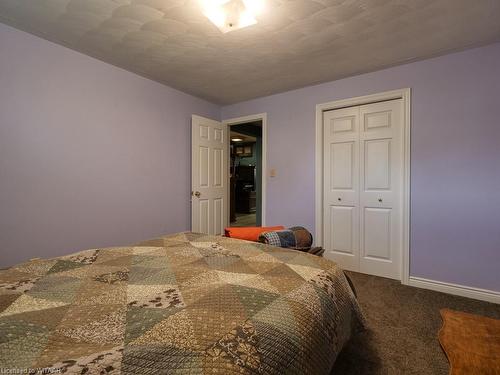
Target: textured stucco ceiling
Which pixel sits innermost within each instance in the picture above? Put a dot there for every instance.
(296, 42)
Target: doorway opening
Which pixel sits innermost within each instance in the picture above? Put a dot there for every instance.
(245, 173)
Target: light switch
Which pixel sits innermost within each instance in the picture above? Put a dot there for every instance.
(273, 173)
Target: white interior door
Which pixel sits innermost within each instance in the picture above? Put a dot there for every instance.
(362, 191)
(209, 168)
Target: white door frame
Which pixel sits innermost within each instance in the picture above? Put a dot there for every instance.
(405, 95)
(241, 120)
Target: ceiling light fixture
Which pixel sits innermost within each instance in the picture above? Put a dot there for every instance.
(229, 15)
(236, 139)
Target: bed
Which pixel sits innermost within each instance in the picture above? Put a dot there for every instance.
(181, 304)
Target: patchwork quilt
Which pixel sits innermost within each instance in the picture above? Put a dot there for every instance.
(181, 304)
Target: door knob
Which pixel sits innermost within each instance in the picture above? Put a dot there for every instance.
(380, 200)
(196, 194)
(339, 199)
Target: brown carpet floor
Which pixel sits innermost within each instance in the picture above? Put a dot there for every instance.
(403, 323)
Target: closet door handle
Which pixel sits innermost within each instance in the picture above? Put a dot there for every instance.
(339, 199)
(380, 200)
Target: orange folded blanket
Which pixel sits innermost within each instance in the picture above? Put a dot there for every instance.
(249, 233)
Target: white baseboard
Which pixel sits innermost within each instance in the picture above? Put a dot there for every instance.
(459, 290)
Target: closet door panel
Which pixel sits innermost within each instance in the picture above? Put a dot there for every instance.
(343, 229)
(380, 198)
(341, 187)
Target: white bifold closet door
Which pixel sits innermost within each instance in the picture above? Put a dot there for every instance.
(362, 192)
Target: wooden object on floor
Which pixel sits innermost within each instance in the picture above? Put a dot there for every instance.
(471, 343)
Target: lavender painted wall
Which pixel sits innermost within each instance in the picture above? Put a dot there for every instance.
(455, 151)
(90, 155)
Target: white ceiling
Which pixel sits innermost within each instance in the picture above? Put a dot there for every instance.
(295, 43)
